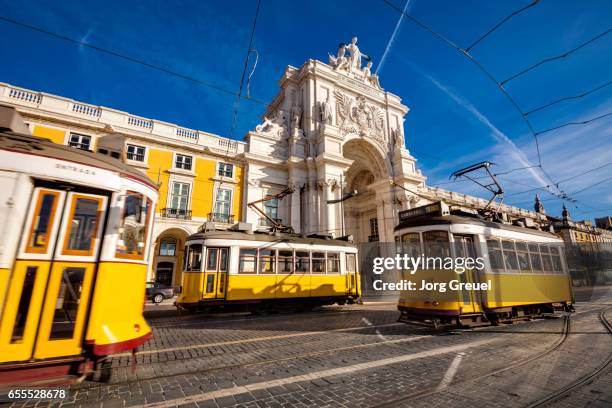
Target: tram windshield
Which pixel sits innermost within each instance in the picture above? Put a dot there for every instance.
(134, 222)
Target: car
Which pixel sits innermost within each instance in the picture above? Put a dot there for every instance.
(157, 292)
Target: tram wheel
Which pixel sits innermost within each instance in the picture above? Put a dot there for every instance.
(105, 371)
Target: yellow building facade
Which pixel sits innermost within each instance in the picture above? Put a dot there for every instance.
(200, 175)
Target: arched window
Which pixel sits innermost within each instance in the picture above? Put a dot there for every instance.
(167, 247)
(163, 273)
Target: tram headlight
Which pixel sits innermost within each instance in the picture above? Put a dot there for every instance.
(136, 327)
(435, 303)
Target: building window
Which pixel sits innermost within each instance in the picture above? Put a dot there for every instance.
(183, 162)
(223, 205)
(225, 170)
(373, 230)
(136, 153)
(179, 200)
(82, 142)
(167, 247)
(271, 208)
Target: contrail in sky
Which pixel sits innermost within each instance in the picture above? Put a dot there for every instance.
(495, 132)
(392, 39)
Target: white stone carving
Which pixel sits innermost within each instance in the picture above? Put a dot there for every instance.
(326, 111)
(339, 62)
(397, 137)
(370, 77)
(351, 65)
(275, 126)
(358, 117)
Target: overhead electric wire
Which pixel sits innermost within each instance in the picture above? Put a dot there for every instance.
(585, 172)
(560, 56)
(584, 122)
(504, 20)
(126, 58)
(593, 185)
(482, 69)
(567, 98)
(246, 64)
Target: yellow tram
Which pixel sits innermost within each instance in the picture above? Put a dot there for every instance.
(266, 271)
(523, 270)
(76, 229)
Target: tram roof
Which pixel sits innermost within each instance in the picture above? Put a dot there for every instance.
(266, 237)
(38, 146)
(458, 219)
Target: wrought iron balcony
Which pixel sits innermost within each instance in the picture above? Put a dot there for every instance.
(264, 222)
(373, 238)
(175, 213)
(220, 217)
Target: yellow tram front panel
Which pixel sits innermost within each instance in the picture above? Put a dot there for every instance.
(450, 302)
(525, 289)
(192, 287)
(116, 318)
(57, 339)
(18, 333)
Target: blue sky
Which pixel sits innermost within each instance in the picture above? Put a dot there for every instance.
(457, 116)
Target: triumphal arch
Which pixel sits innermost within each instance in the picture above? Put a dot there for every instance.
(332, 130)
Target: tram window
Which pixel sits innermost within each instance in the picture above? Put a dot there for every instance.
(510, 256)
(134, 224)
(210, 283)
(82, 226)
(351, 264)
(411, 244)
(302, 261)
(318, 262)
(223, 259)
(495, 255)
(211, 259)
(24, 303)
(67, 303)
(546, 261)
(247, 260)
(285, 261)
(556, 259)
(194, 257)
(42, 222)
(333, 262)
(436, 243)
(534, 256)
(523, 257)
(267, 259)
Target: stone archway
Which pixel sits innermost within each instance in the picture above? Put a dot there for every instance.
(369, 168)
(167, 263)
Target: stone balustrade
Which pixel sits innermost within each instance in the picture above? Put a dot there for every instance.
(58, 105)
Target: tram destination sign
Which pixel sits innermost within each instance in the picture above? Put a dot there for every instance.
(436, 209)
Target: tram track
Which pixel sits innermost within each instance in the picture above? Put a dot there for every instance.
(585, 379)
(413, 337)
(436, 389)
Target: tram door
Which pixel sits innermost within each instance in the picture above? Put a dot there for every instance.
(464, 248)
(215, 279)
(50, 286)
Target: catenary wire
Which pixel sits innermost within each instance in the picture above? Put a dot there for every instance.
(584, 122)
(127, 58)
(503, 21)
(484, 71)
(560, 56)
(568, 98)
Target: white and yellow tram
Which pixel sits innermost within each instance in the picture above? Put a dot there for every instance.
(267, 271)
(525, 268)
(76, 229)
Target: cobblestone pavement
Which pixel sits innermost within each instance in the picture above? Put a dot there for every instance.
(356, 356)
